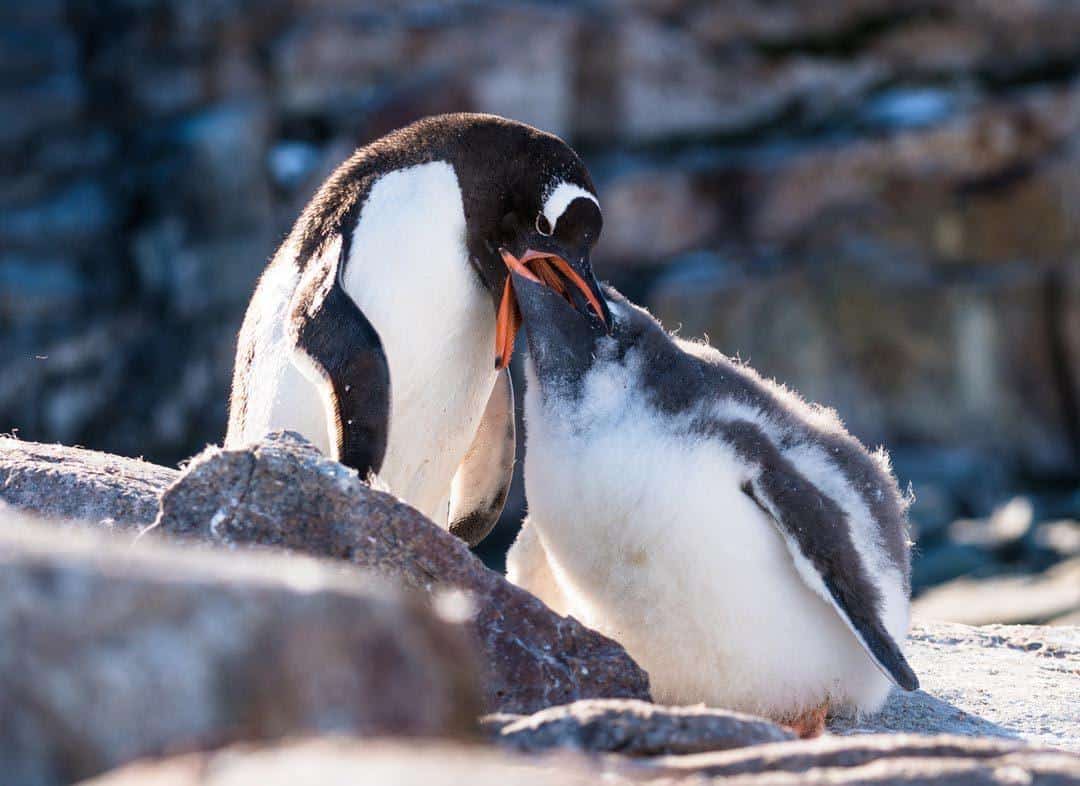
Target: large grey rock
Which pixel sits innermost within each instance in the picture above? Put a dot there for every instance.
(341, 762)
(900, 759)
(632, 728)
(1015, 682)
(54, 481)
(283, 493)
(880, 759)
(111, 653)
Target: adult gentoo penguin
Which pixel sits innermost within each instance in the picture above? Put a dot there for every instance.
(373, 330)
(747, 550)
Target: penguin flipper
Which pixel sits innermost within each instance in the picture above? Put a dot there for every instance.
(481, 483)
(815, 530)
(343, 349)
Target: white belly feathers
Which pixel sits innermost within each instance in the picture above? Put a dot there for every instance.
(436, 323)
(643, 533)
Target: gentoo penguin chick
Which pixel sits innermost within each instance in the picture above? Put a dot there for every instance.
(373, 329)
(746, 550)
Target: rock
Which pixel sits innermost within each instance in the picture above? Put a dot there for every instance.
(341, 762)
(1015, 682)
(651, 215)
(879, 759)
(73, 216)
(335, 62)
(899, 759)
(918, 40)
(1072, 619)
(945, 562)
(32, 287)
(1060, 537)
(214, 275)
(905, 108)
(53, 101)
(530, 68)
(954, 477)
(848, 185)
(69, 388)
(124, 652)
(59, 482)
(632, 728)
(1007, 525)
(218, 180)
(169, 90)
(1030, 599)
(671, 86)
(29, 52)
(283, 493)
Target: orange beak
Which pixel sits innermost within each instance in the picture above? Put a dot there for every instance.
(550, 270)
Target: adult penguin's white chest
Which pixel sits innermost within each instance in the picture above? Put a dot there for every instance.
(408, 270)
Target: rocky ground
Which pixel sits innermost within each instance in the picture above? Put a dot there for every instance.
(871, 200)
(262, 615)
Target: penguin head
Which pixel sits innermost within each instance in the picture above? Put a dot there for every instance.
(563, 330)
(529, 198)
(567, 339)
(553, 249)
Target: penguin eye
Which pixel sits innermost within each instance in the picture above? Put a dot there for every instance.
(543, 226)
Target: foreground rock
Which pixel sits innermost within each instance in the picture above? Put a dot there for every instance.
(284, 493)
(880, 759)
(1041, 598)
(112, 653)
(350, 763)
(1015, 682)
(871, 760)
(59, 482)
(632, 728)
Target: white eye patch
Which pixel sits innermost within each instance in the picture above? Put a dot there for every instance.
(560, 198)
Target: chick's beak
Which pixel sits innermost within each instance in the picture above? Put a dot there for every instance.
(551, 270)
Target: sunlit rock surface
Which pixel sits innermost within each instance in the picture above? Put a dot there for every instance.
(1010, 681)
(113, 652)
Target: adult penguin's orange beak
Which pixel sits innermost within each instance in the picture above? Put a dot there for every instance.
(551, 270)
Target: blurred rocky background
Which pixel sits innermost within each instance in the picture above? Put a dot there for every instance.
(875, 201)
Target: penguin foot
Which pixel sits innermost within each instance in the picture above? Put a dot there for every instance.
(811, 723)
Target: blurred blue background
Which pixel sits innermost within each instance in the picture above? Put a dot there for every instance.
(875, 201)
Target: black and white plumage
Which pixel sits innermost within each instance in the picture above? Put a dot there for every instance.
(374, 328)
(746, 549)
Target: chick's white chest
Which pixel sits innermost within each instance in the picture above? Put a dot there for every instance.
(652, 541)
